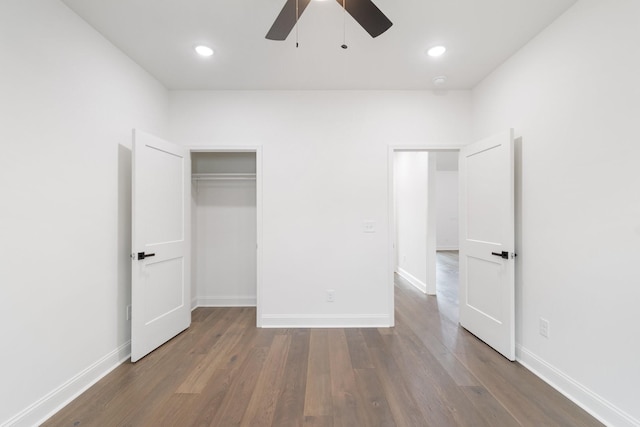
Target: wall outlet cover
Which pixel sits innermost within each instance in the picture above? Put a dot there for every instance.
(544, 327)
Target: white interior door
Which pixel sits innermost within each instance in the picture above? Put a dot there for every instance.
(487, 301)
(161, 268)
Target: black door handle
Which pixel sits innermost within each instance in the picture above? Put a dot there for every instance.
(142, 255)
(504, 254)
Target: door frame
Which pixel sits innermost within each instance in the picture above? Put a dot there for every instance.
(257, 149)
(392, 149)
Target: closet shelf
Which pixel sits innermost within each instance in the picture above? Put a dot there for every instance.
(223, 176)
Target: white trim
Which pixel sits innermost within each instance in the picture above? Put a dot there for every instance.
(447, 248)
(417, 283)
(223, 176)
(424, 147)
(432, 228)
(601, 409)
(259, 218)
(194, 303)
(234, 301)
(213, 148)
(45, 407)
(325, 321)
(391, 244)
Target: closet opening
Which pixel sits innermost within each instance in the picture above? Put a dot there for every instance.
(225, 213)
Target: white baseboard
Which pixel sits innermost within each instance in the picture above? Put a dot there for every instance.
(447, 248)
(417, 283)
(44, 408)
(194, 303)
(233, 301)
(325, 321)
(591, 402)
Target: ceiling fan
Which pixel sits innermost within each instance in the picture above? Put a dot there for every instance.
(364, 12)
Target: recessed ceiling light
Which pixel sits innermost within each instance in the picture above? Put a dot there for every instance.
(436, 51)
(203, 50)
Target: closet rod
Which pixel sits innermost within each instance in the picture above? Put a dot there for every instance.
(223, 176)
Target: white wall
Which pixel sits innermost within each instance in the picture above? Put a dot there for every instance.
(447, 209)
(325, 161)
(573, 96)
(68, 102)
(223, 162)
(225, 243)
(411, 170)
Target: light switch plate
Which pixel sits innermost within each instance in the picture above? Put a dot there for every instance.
(369, 226)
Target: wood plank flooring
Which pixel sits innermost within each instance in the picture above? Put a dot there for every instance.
(427, 371)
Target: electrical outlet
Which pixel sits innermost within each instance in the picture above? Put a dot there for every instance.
(129, 312)
(331, 295)
(544, 327)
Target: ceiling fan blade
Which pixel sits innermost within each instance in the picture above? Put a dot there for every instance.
(286, 20)
(368, 16)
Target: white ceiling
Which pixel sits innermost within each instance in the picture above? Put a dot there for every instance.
(160, 35)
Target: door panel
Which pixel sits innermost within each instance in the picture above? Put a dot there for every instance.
(165, 296)
(487, 298)
(157, 193)
(483, 195)
(161, 278)
(481, 296)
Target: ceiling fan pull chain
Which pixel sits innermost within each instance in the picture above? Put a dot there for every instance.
(297, 16)
(344, 24)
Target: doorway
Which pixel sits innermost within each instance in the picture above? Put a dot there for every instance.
(424, 218)
(225, 218)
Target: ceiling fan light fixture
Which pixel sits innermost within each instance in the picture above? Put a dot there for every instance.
(436, 51)
(203, 50)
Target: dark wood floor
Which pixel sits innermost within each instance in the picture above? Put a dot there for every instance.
(427, 371)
